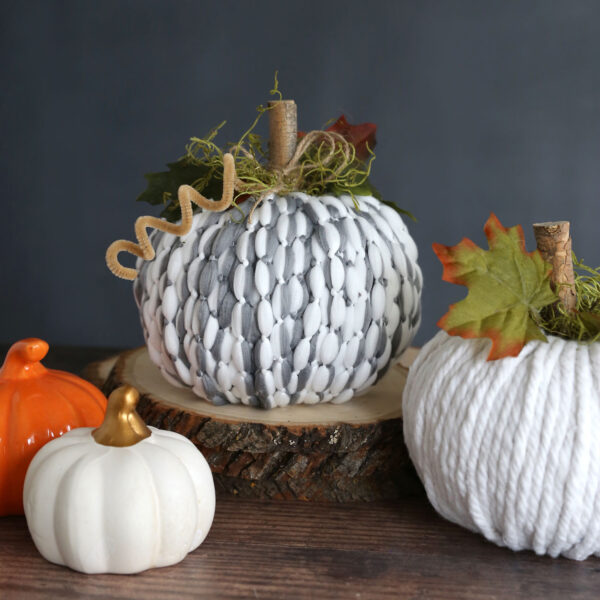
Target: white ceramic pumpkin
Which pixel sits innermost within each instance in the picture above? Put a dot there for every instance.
(114, 507)
(509, 448)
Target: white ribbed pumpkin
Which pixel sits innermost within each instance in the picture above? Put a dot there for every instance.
(104, 509)
(510, 448)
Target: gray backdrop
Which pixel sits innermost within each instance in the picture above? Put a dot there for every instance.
(481, 106)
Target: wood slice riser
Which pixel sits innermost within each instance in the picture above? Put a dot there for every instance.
(333, 461)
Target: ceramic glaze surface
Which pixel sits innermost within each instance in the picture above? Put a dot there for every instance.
(104, 509)
(36, 406)
(308, 303)
(509, 448)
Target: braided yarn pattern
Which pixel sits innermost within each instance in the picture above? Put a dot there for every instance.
(308, 303)
(509, 448)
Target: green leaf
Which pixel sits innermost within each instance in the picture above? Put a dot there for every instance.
(508, 286)
(368, 189)
(400, 211)
(162, 187)
(591, 322)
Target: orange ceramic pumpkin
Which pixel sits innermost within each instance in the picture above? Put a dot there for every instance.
(37, 405)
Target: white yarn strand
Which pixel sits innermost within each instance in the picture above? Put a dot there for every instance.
(509, 448)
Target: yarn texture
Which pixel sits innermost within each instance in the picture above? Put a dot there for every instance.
(510, 448)
(308, 303)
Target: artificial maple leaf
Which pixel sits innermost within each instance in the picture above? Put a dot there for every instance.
(162, 187)
(506, 285)
(591, 322)
(358, 135)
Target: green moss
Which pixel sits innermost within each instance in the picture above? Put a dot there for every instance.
(317, 173)
(583, 324)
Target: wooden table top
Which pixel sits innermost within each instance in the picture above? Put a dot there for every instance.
(290, 550)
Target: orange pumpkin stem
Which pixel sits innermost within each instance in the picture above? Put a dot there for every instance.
(23, 359)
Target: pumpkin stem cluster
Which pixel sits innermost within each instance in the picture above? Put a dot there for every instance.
(582, 324)
(320, 170)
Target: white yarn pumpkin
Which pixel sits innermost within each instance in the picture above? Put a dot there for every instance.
(105, 509)
(510, 448)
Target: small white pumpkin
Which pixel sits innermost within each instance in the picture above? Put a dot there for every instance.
(121, 498)
(509, 448)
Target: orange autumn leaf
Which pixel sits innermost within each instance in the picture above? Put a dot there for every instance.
(508, 286)
(361, 136)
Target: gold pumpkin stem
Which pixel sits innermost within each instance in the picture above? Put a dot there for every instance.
(122, 425)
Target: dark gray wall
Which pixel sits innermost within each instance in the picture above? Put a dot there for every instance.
(483, 105)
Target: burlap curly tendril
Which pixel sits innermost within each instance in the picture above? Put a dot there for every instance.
(289, 178)
(330, 146)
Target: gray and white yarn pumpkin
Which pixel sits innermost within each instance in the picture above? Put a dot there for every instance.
(509, 448)
(308, 303)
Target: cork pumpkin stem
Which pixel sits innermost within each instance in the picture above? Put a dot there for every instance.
(283, 132)
(23, 359)
(122, 425)
(554, 243)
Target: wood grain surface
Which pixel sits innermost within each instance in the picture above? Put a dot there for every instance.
(292, 549)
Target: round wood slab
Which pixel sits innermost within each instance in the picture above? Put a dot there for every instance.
(335, 452)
